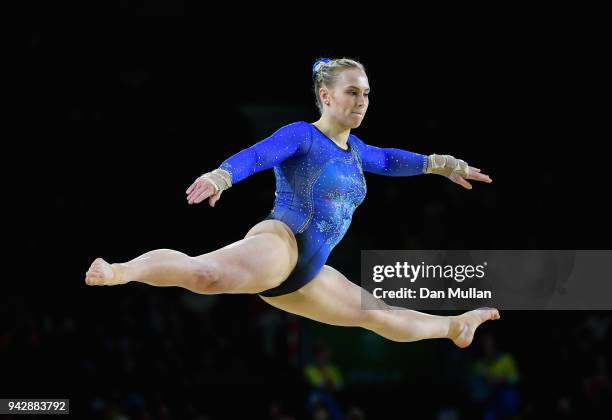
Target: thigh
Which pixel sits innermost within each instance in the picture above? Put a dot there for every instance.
(262, 260)
(333, 299)
(276, 227)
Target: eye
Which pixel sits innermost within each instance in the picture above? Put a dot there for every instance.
(355, 93)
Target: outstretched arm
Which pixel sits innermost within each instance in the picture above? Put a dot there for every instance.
(289, 141)
(391, 161)
(398, 162)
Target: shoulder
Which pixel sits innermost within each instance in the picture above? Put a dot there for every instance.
(299, 132)
(356, 139)
(357, 142)
(298, 127)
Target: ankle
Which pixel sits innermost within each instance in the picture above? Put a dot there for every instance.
(454, 327)
(119, 273)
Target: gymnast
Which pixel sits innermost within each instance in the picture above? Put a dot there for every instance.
(319, 169)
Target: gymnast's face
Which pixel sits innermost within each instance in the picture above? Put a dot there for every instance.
(348, 99)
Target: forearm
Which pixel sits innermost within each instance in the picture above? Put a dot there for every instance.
(394, 162)
(405, 163)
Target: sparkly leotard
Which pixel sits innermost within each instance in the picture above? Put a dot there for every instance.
(318, 187)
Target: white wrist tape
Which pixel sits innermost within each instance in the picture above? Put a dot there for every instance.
(219, 178)
(446, 164)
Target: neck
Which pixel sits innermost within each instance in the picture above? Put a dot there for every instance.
(339, 134)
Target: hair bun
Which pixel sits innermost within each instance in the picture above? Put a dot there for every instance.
(318, 63)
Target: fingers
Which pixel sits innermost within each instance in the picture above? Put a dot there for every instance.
(195, 188)
(202, 194)
(476, 176)
(458, 179)
(194, 193)
(191, 187)
(212, 200)
(465, 184)
(485, 178)
(202, 190)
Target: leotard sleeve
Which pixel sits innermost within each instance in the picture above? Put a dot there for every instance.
(289, 141)
(390, 161)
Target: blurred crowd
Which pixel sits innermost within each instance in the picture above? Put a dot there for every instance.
(170, 354)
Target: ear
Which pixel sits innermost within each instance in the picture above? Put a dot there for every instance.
(324, 94)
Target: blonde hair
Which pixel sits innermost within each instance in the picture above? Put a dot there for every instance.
(325, 73)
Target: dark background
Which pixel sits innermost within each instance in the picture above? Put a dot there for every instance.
(116, 125)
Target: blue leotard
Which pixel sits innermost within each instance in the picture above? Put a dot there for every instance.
(318, 186)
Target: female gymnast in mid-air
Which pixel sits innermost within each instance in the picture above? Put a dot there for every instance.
(319, 182)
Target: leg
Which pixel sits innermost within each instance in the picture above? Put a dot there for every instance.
(262, 260)
(333, 299)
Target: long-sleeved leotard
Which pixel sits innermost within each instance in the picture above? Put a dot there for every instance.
(318, 187)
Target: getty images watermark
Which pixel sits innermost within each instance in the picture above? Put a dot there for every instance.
(412, 272)
(505, 279)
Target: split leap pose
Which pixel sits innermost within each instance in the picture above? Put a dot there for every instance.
(319, 171)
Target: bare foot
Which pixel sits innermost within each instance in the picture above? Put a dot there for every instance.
(101, 273)
(464, 326)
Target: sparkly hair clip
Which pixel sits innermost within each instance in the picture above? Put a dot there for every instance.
(317, 64)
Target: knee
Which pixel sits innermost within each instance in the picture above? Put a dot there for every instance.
(206, 277)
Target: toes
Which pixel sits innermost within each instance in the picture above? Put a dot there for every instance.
(95, 271)
(488, 313)
(93, 278)
(100, 273)
(494, 314)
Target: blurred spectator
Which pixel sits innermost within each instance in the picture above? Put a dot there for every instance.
(324, 380)
(499, 373)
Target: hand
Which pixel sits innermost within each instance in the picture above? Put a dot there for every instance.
(200, 190)
(474, 174)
